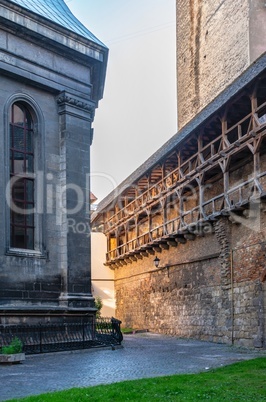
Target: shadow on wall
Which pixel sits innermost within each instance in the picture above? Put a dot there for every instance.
(105, 291)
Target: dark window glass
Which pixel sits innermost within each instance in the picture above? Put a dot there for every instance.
(22, 179)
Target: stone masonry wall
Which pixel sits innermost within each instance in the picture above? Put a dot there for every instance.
(178, 300)
(39, 74)
(212, 50)
(249, 272)
(212, 288)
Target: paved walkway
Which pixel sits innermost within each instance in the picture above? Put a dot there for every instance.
(143, 355)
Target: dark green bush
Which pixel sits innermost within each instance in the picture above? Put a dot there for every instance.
(15, 347)
(98, 304)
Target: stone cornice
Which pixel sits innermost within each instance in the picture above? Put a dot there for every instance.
(64, 98)
(70, 104)
(13, 15)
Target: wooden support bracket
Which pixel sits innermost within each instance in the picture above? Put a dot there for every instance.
(133, 258)
(139, 256)
(165, 246)
(172, 243)
(190, 236)
(181, 239)
(144, 253)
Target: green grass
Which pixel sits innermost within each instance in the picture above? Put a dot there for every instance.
(245, 381)
(127, 330)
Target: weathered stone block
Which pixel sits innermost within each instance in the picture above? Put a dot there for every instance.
(12, 359)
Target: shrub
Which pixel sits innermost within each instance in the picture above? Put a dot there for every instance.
(98, 304)
(15, 347)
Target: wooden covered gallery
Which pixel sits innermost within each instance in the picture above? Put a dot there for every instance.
(197, 205)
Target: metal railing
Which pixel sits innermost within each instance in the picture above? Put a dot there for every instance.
(54, 337)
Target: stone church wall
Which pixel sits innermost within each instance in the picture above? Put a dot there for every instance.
(59, 85)
(33, 278)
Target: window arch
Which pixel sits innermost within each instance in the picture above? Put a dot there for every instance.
(25, 218)
(22, 177)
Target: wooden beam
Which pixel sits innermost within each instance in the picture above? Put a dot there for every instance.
(164, 245)
(144, 253)
(172, 243)
(133, 258)
(181, 239)
(157, 248)
(139, 255)
(190, 236)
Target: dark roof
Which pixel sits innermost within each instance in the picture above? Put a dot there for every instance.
(58, 12)
(250, 74)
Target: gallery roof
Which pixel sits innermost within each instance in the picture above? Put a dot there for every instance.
(246, 78)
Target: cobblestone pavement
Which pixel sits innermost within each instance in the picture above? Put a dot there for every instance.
(142, 355)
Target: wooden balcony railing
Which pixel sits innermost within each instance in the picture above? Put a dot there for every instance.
(237, 196)
(235, 139)
(213, 151)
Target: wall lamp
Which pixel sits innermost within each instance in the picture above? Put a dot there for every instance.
(156, 261)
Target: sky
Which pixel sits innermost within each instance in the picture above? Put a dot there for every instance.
(137, 114)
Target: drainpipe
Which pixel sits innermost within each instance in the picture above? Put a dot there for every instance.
(232, 297)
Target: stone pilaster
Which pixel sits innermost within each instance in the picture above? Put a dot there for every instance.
(75, 117)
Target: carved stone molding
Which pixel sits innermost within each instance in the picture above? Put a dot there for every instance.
(70, 104)
(64, 98)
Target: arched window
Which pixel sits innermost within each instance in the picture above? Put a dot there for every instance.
(22, 177)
